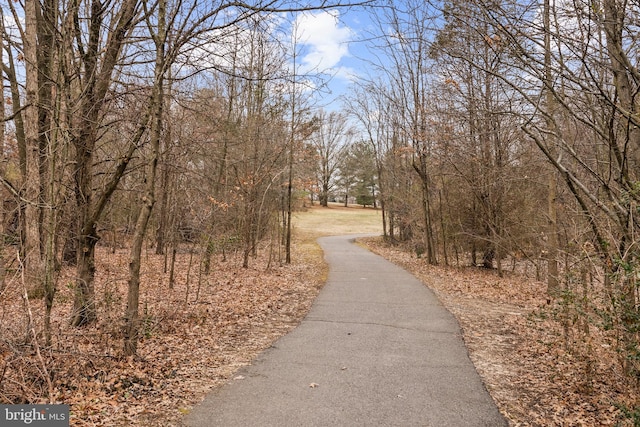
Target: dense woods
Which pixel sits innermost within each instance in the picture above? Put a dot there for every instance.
(498, 134)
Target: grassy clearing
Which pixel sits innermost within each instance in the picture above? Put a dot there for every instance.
(336, 220)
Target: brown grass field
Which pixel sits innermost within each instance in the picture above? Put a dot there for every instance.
(335, 220)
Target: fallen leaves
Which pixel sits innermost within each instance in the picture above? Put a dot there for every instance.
(196, 337)
(193, 337)
(538, 374)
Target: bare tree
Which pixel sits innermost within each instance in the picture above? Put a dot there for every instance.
(572, 66)
(406, 43)
(159, 37)
(333, 134)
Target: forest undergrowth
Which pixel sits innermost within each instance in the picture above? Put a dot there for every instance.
(195, 337)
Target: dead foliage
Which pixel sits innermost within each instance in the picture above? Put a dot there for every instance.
(196, 336)
(193, 337)
(539, 372)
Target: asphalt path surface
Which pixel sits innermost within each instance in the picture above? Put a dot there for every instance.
(376, 349)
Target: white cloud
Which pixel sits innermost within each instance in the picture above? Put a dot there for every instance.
(325, 40)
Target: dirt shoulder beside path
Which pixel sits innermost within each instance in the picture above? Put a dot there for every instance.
(521, 351)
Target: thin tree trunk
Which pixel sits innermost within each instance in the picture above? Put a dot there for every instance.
(426, 211)
(133, 294)
(32, 184)
(16, 103)
(172, 268)
(148, 200)
(161, 233)
(289, 213)
(443, 231)
(2, 167)
(552, 220)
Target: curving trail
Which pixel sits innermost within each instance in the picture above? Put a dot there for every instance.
(376, 349)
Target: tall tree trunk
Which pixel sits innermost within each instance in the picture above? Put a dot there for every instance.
(289, 212)
(2, 166)
(50, 225)
(625, 79)
(32, 184)
(552, 220)
(148, 200)
(100, 66)
(161, 233)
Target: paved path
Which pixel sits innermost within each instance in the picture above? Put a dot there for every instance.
(376, 349)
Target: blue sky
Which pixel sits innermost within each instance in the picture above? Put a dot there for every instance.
(331, 44)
